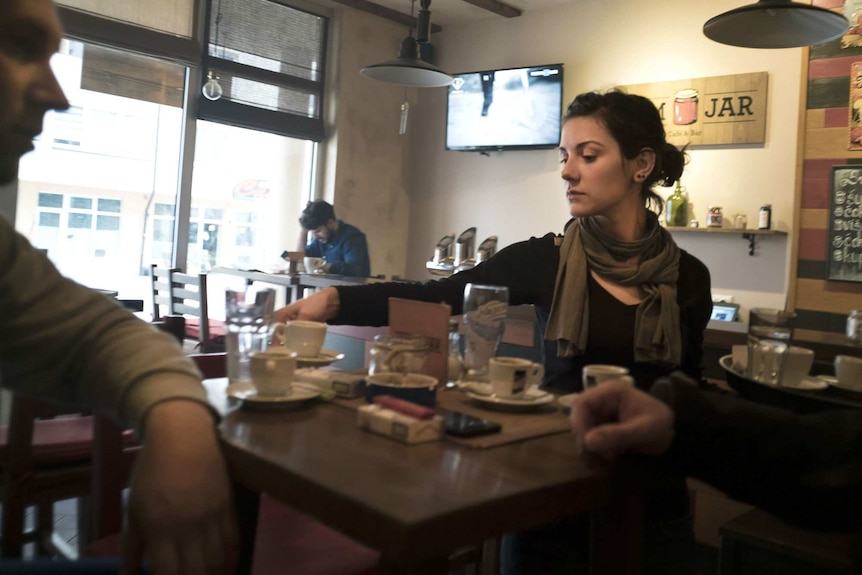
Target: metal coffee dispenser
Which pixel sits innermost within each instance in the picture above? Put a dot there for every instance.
(442, 262)
(486, 249)
(464, 250)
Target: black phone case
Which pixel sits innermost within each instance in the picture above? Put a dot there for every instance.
(463, 425)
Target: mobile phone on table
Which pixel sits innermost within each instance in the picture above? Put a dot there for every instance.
(463, 425)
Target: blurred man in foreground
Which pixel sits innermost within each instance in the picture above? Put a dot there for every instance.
(804, 469)
(63, 342)
(342, 246)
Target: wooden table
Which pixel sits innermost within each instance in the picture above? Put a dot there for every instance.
(416, 504)
(296, 283)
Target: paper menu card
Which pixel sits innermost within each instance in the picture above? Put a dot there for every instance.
(431, 320)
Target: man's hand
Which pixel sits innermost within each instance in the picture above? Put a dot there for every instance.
(320, 306)
(613, 418)
(181, 514)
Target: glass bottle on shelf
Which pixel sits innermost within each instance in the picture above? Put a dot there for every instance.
(456, 359)
(677, 207)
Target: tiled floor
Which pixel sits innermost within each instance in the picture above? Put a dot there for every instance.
(65, 525)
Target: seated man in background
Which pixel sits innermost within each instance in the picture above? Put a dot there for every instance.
(63, 342)
(806, 469)
(342, 246)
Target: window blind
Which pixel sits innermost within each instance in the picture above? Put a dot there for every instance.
(270, 59)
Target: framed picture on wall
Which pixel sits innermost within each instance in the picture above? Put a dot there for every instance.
(853, 12)
(844, 242)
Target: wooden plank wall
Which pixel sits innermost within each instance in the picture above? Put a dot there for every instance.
(820, 304)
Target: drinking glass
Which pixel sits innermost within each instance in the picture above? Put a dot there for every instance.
(769, 334)
(484, 318)
(249, 325)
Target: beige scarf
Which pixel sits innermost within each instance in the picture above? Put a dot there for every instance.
(586, 246)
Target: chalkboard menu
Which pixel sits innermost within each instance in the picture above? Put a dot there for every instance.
(844, 250)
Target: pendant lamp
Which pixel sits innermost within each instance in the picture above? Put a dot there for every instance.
(408, 69)
(775, 24)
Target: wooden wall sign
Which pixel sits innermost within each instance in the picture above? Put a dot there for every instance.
(844, 248)
(709, 111)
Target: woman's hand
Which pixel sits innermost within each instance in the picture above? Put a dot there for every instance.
(320, 306)
(614, 417)
(181, 512)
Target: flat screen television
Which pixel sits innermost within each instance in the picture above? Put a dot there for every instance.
(507, 109)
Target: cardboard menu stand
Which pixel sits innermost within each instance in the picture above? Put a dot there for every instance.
(431, 320)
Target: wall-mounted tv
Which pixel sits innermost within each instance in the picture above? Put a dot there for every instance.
(508, 109)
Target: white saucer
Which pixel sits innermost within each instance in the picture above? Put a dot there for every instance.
(251, 399)
(833, 381)
(325, 357)
(808, 384)
(477, 387)
(567, 400)
(495, 401)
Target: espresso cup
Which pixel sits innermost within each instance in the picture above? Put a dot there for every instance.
(512, 376)
(272, 372)
(304, 338)
(592, 375)
(848, 370)
(797, 365)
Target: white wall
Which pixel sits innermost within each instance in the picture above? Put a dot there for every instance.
(518, 194)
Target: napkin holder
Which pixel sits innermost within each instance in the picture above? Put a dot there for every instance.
(293, 260)
(344, 384)
(398, 426)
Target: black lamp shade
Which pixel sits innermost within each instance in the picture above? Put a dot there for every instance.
(408, 69)
(775, 24)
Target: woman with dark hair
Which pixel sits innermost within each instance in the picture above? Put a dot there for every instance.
(615, 289)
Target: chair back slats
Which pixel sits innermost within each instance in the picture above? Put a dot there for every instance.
(180, 293)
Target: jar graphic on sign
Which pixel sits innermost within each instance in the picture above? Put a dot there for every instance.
(685, 107)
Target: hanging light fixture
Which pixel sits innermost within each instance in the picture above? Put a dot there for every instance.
(775, 24)
(212, 90)
(408, 69)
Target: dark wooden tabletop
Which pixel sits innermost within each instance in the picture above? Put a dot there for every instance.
(418, 503)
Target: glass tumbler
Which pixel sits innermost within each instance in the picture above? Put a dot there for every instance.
(484, 321)
(399, 354)
(769, 334)
(249, 325)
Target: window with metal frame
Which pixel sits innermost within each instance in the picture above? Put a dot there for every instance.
(270, 61)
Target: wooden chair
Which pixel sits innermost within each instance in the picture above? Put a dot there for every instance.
(44, 459)
(287, 541)
(179, 293)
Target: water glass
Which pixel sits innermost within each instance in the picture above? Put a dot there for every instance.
(769, 334)
(248, 323)
(484, 318)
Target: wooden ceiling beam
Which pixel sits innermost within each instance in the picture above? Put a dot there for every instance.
(388, 13)
(496, 7)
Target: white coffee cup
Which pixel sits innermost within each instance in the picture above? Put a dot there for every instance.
(305, 338)
(312, 264)
(848, 370)
(592, 375)
(797, 364)
(272, 372)
(512, 376)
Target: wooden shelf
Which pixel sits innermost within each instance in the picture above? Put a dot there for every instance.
(747, 234)
(686, 229)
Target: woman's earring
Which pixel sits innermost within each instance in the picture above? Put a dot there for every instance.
(640, 177)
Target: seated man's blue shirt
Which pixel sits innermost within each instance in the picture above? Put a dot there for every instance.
(346, 252)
